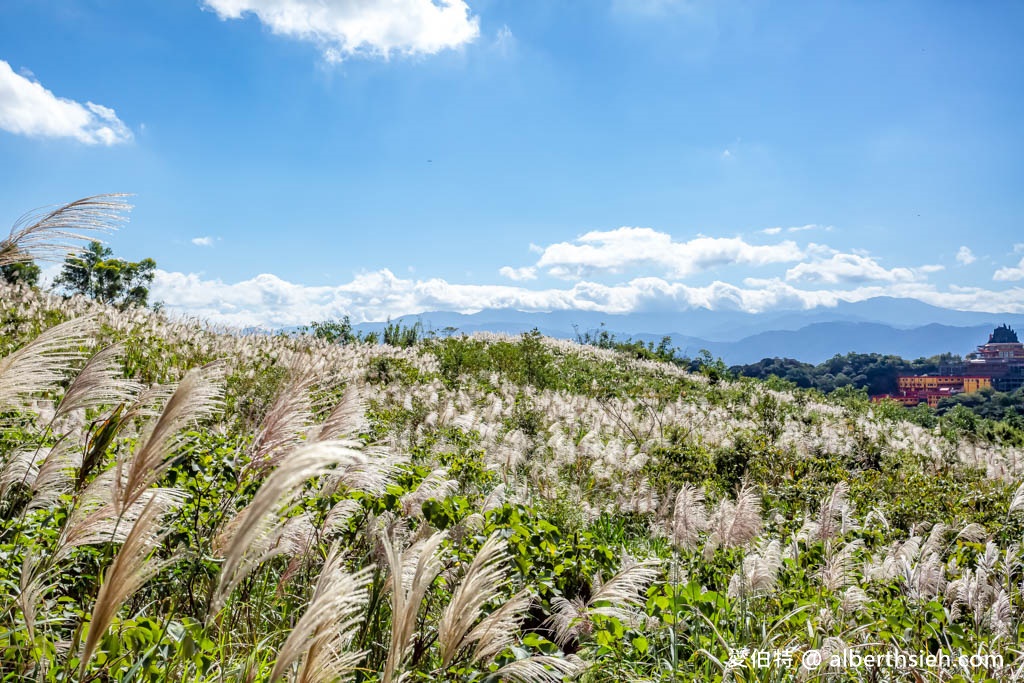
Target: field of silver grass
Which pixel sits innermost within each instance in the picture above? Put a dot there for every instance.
(179, 502)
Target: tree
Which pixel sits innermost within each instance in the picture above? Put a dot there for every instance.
(332, 331)
(24, 272)
(95, 273)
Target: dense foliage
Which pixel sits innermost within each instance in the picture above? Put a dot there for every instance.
(874, 372)
(97, 274)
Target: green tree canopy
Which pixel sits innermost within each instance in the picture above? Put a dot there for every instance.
(95, 273)
(25, 272)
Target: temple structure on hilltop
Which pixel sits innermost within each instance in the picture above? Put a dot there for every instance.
(998, 364)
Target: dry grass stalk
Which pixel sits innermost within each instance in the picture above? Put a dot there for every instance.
(463, 625)
(434, 485)
(252, 536)
(689, 517)
(616, 598)
(52, 232)
(540, 669)
(286, 420)
(45, 361)
(759, 571)
(346, 418)
(99, 383)
(132, 567)
(735, 523)
(197, 397)
(324, 633)
(412, 572)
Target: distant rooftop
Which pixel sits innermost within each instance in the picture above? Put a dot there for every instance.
(1003, 335)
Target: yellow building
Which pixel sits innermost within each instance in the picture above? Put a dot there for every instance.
(918, 382)
(972, 384)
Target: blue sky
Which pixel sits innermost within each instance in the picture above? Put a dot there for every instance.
(302, 159)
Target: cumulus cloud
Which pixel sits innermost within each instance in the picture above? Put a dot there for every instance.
(342, 28)
(518, 274)
(202, 241)
(772, 231)
(270, 301)
(1010, 273)
(27, 108)
(614, 251)
(965, 257)
(848, 268)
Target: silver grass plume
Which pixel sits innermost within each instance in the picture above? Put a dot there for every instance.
(935, 542)
(345, 419)
(97, 519)
(495, 499)
(250, 539)
(338, 516)
(838, 568)
(735, 523)
(33, 588)
(412, 572)
(540, 669)
(52, 232)
(759, 572)
(132, 567)
(56, 474)
(323, 635)
(832, 518)
(370, 476)
(286, 420)
(1017, 502)
(20, 468)
(616, 598)
(689, 517)
(972, 533)
(99, 383)
(854, 599)
(44, 361)
(463, 625)
(198, 396)
(434, 485)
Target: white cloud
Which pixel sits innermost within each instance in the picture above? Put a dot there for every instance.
(270, 301)
(848, 268)
(202, 241)
(617, 250)
(1010, 273)
(27, 108)
(772, 231)
(518, 274)
(342, 28)
(1018, 248)
(964, 256)
(811, 226)
(505, 41)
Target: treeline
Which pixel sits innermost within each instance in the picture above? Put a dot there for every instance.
(874, 372)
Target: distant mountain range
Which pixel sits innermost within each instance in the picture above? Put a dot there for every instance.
(905, 327)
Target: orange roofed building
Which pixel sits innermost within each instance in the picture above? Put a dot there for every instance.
(999, 364)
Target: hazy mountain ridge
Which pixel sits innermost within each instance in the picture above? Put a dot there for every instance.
(904, 327)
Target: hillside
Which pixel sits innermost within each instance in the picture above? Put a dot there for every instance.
(184, 503)
(902, 327)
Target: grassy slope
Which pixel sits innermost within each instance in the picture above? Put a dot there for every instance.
(772, 519)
